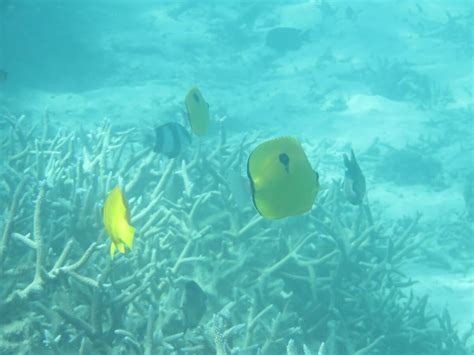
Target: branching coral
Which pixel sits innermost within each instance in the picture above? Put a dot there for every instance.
(332, 276)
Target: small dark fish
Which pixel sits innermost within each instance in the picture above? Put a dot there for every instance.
(283, 39)
(354, 182)
(193, 304)
(3, 75)
(171, 139)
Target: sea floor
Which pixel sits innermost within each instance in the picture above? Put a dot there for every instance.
(332, 89)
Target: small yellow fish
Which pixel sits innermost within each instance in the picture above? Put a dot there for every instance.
(117, 222)
(198, 111)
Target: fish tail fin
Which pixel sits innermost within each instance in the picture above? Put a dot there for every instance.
(112, 250)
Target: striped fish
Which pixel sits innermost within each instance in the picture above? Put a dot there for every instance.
(171, 139)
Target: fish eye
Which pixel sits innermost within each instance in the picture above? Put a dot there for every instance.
(284, 159)
(196, 98)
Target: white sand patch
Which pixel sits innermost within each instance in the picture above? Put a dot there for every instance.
(366, 118)
(406, 201)
(303, 15)
(446, 290)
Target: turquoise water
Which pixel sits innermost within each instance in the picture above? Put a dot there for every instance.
(84, 83)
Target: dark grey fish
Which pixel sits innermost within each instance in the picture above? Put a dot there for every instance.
(283, 39)
(354, 182)
(193, 304)
(171, 139)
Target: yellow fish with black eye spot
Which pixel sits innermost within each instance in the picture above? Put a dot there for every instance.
(198, 111)
(117, 222)
(282, 181)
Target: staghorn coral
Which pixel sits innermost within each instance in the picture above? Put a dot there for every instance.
(332, 276)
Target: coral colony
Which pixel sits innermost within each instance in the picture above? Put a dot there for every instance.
(204, 276)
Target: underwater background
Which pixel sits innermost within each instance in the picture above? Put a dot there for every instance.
(82, 85)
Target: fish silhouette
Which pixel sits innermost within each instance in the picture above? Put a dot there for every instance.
(193, 304)
(354, 181)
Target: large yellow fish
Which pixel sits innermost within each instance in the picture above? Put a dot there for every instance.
(282, 180)
(117, 222)
(198, 111)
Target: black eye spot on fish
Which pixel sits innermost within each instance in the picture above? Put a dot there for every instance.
(285, 160)
(196, 98)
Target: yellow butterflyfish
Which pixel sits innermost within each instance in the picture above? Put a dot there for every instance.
(117, 222)
(198, 111)
(282, 181)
